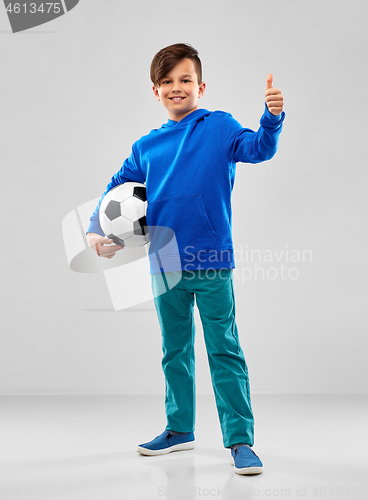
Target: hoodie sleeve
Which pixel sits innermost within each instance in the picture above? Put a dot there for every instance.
(130, 172)
(245, 145)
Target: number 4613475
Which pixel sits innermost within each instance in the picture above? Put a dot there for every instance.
(16, 8)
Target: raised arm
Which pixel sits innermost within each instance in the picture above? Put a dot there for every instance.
(249, 146)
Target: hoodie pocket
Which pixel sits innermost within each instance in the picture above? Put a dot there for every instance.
(187, 217)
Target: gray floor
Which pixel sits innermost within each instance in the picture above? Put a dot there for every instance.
(84, 447)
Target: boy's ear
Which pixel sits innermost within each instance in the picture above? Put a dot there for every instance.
(155, 91)
(201, 90)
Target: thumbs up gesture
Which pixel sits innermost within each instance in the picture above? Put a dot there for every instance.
(274, 99)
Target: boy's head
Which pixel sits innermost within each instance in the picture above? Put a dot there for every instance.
(176, 74)
(167, 58)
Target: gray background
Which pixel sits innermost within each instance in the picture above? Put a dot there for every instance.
(75, 95)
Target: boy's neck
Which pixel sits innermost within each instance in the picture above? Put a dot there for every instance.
(178, 118)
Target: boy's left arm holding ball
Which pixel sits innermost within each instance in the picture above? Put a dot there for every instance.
(129, 172)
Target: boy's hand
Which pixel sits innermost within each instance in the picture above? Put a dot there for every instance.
(274, 99)
(99, 244)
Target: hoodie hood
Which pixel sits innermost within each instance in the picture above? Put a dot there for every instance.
(194, 116)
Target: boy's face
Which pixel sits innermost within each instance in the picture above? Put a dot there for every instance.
(179, 90)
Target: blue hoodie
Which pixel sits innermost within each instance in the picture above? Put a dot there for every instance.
(189, 170)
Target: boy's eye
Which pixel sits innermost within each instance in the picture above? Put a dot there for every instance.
(169, 81)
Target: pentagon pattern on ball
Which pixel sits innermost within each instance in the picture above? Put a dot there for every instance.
(116, 240)
(112, 210)
(140, 192)
(140, 226)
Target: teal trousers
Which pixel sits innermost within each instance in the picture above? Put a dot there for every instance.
(174, 295)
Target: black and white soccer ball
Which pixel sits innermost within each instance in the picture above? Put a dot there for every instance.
(123, 214)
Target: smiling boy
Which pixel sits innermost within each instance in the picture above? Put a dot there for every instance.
(188, 165)
(179, 90)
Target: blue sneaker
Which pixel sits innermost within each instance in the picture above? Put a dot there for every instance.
(166, 443)
(246, 461)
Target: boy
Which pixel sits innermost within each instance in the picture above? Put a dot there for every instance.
(188, 166)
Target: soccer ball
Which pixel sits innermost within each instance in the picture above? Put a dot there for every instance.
(123, 215)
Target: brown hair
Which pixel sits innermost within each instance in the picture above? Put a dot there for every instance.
(168, 57)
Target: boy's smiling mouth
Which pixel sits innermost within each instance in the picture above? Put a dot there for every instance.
(177, 98)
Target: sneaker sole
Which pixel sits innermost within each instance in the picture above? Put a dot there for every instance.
(246, 470)
(176, 447)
